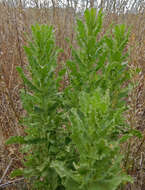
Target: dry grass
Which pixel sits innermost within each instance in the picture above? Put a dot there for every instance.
(14, 22)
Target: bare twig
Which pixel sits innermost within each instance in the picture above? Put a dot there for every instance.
(11, 182)
(6, 170)
(139, 148)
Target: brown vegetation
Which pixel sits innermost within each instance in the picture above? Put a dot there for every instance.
(15, 21)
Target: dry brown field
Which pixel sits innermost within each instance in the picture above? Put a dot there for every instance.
(14, 23)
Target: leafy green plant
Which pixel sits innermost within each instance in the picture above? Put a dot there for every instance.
(99, 165)
(95, 105)
(85, 154)
(45, 138)
(99, 61)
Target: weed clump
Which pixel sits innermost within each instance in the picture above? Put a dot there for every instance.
(86, 154)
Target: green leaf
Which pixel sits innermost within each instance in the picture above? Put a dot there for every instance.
(26, 81)
(136, 133)
(16, 173)
(15, 140)
(125, 138)
(71, 184)
(60, 169)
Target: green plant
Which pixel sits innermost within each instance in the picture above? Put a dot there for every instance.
(99, 61)
(99, 164)
(86, 154)
(95, 105)
(45, 138)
